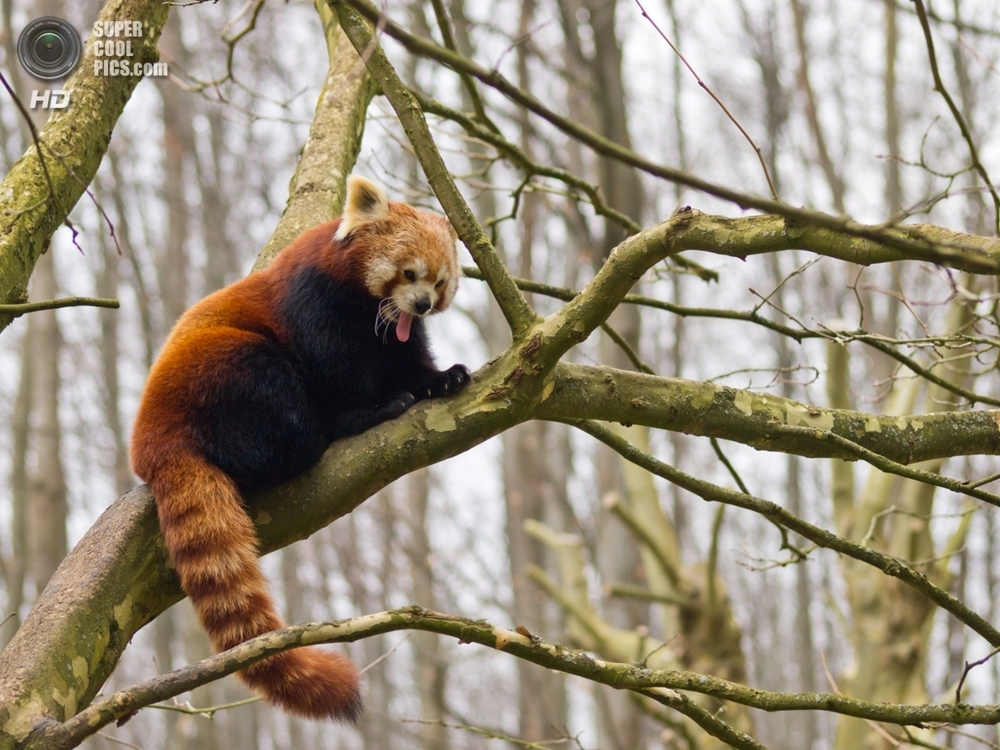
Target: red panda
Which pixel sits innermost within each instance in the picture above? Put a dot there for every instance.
(257, 379)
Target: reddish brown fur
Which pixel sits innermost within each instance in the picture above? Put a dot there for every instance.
(210, 537)
(211, 356)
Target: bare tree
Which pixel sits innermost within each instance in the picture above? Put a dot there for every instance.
(829, 517)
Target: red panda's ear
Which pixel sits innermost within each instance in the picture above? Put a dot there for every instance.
(366, 202)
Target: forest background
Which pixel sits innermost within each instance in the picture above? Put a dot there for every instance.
(860, 592)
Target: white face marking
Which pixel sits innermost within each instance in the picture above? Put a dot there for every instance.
(422, 289)
(378, 274)
(417, 270)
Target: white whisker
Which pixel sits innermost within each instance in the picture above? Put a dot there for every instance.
(387, 312)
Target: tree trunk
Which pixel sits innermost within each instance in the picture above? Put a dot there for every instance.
(430, 665)
(47, 507)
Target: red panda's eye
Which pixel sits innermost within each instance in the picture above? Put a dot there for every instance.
(410, 275)
(439, 284)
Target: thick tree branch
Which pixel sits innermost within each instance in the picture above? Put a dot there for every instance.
(870, 244)
(118, 578)
(316, 190)
(756, 419)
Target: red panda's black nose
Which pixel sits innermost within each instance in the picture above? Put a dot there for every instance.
(422, 305)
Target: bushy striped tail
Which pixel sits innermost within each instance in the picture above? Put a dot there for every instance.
(213, 546)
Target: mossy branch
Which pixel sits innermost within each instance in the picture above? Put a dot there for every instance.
(757, 419)
(316, 191)
(660, 685)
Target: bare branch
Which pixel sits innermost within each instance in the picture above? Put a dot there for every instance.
(54, 304)
(955, 113)
(659, 685)
(912, 245)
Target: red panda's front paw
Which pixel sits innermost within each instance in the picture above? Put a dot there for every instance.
(458, 378)
(399, 404)
(452, 380)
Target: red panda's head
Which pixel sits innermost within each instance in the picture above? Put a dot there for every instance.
(408, 257)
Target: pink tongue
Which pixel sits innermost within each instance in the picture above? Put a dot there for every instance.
(403, 326)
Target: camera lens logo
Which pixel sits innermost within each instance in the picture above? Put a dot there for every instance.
(49, 48)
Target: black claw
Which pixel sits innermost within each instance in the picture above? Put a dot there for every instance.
(448, 382)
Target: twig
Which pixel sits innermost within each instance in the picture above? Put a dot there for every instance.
(622, 344)
(833, 685)
(112, 738)
(968, 668)
(492, 734)
(962, 126)
(54, 304)
(254, 7)
(208, 711)
(756, 148)
(984, 480)
(384, 656)
(520, 159)
(35, 136)
(889, 466)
